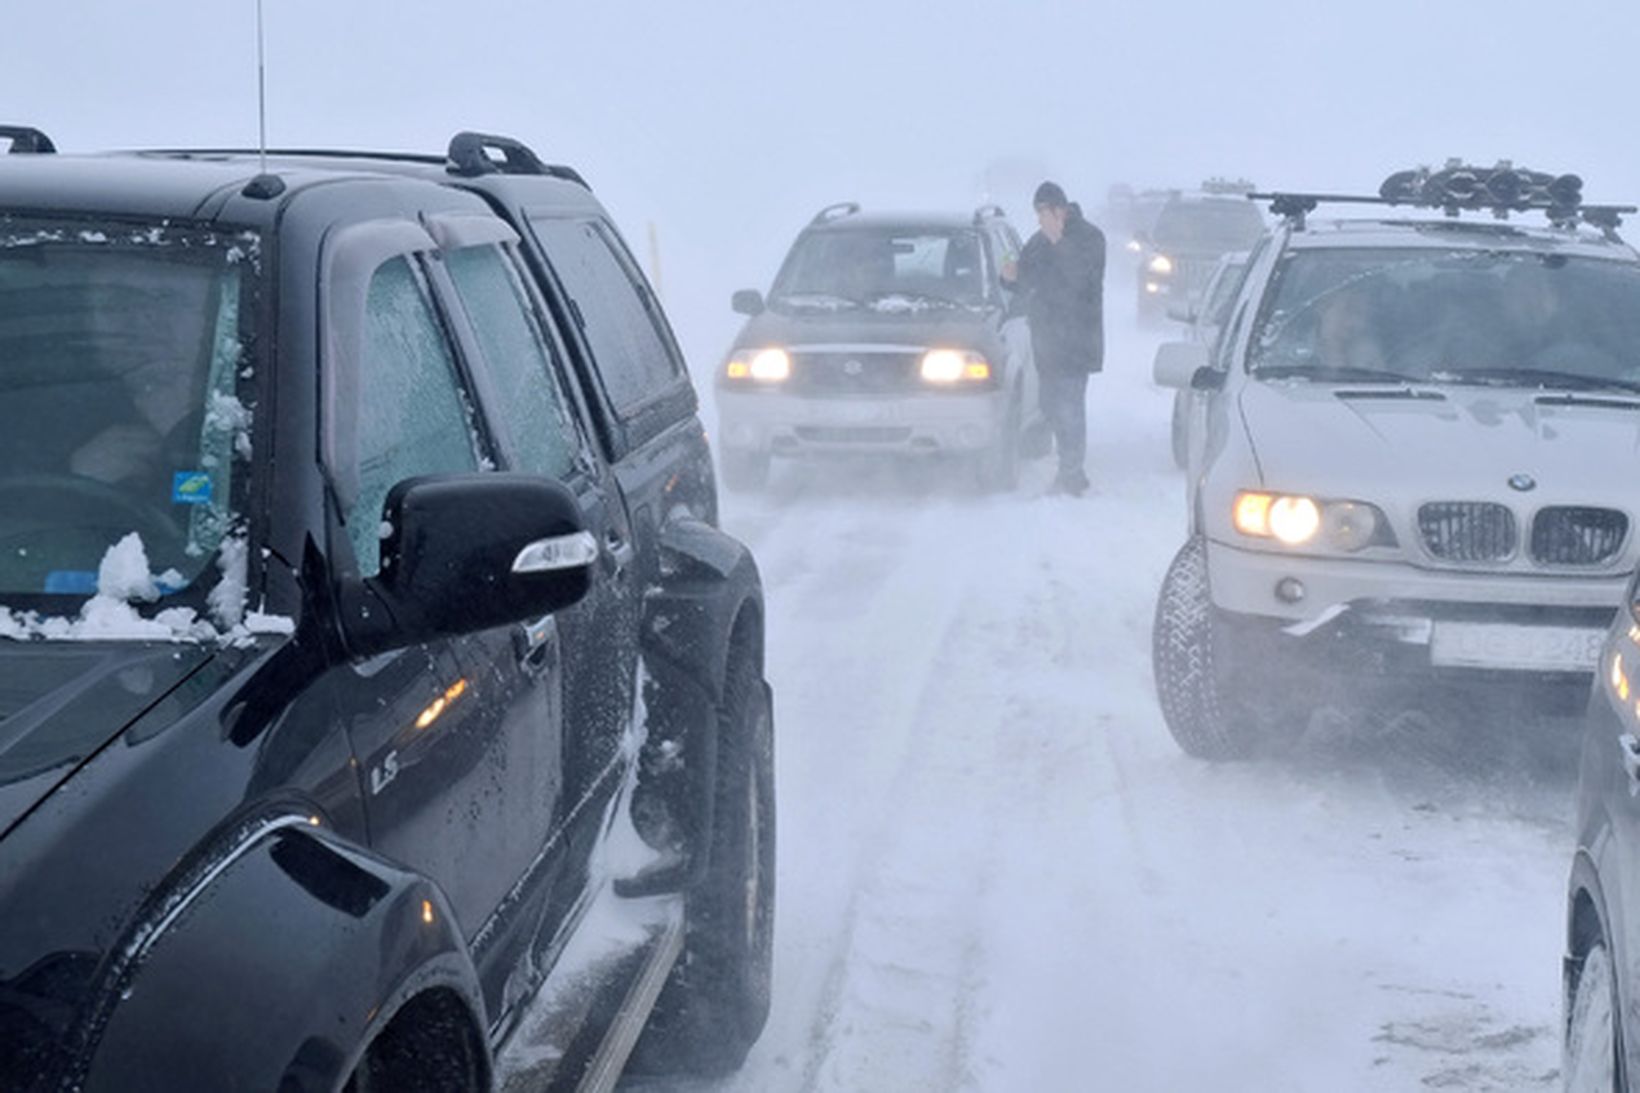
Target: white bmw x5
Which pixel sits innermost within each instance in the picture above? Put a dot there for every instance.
(1413, 460)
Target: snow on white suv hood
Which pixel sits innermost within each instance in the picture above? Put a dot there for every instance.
(1374, 443)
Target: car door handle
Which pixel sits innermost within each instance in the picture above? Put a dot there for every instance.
(619, 548)
(1629, 745)
(535, 641)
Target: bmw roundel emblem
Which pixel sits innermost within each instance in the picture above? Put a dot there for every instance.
(1522, 482)
(853, 367)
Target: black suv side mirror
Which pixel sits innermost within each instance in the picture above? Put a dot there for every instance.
(748, 301)
(468, 552)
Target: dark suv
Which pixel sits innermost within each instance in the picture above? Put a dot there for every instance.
(883, 335)
(1191, 233)
(353, 511)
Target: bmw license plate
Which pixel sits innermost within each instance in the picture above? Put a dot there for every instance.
(1522, 648)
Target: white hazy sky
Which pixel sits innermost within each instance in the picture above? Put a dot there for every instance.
(726, 123)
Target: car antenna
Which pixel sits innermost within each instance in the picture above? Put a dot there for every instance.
(264, 186)
(261, 96)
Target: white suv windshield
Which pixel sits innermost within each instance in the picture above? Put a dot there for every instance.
(883, 269)
(120, 354)
(1454, 316)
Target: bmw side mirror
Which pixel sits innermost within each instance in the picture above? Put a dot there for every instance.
(463, 553)
(748, 301)
(1180, 364)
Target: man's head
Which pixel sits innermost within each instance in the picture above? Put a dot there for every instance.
(1052, 210)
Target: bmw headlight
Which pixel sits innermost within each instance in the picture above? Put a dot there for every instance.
(771, 365)
(950, 366)
(1161, 263)
(1297, 520)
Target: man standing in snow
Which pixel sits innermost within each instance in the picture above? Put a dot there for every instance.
(1062, 273)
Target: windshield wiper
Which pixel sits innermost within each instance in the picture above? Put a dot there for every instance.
(1342, 373)
(1535, 377)
(826, 300)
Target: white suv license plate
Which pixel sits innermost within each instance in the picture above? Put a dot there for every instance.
(1522, 648)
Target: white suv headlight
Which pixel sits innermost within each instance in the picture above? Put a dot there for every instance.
(948, 366)
(1296, 520)
(771, 365)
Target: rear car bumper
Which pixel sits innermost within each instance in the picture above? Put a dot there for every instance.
(799, 425)
(1393, 619)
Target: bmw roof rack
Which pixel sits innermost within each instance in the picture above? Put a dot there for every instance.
(835, 212)
(26, 140)
(988, 212)
(1458, 187)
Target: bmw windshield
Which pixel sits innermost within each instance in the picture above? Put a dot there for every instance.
(123, 349)
(1509, 318)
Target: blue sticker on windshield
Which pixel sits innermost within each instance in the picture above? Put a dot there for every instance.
(72, 582)
(191, 488)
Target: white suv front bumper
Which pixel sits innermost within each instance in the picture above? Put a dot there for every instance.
(1502, 622)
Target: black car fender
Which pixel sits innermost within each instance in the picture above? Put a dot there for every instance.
(705, 609)
(276, 966)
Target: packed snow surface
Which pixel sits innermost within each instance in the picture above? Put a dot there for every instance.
(997, 871)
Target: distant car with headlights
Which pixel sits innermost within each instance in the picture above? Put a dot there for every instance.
(1414, 461)
(1192, 231)
(882, 335)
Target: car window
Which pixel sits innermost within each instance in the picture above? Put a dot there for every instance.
(120, 350)
(632, 354)
(882, 268)
(414, 418)
(532, 402)
(1452, 315)
(1208, 226)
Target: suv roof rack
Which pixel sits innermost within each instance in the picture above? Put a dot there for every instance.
(835, 212)
(1220, 185)
(26, 140)
(468, 157)
(1458, 188)
(988, 212)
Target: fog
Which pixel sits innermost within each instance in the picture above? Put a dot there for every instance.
(727, 124)
(997, 869)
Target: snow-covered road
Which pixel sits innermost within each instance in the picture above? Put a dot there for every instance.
(997, 872)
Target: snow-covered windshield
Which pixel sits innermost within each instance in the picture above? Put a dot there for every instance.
(121, 352)
(883, 269)
(1453, 316)
(1208, 226)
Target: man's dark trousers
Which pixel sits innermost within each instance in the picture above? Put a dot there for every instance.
(1064, 397)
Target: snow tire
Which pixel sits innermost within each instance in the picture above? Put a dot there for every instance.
(717, 1000)
(1592, 1036)
(1188, 657)
(998, 467)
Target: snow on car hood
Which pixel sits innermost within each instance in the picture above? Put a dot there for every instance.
(1450, 442)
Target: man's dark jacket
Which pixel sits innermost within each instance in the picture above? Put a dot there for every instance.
(1064, 284)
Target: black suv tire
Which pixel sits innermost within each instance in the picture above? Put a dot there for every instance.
(717, 1000)
(1206, 710)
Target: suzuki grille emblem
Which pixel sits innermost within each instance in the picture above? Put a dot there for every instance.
(853, 368)
(1522, 482)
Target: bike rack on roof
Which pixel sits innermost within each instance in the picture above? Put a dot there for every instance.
(26, 140)
(1457, 188)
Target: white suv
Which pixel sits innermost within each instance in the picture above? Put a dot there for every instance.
(1416, 459)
